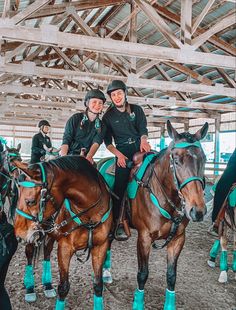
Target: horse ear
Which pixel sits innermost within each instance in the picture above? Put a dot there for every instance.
(201, 133)
(32, 173)
(7, 147)
(18, 147)
(172, 132)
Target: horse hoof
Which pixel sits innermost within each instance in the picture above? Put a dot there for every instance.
(223, 278)
(30, 297)
(50, 293)
(211, 263)
(106, 276)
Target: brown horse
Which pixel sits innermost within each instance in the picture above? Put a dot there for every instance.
(42, 194)
(170, 194)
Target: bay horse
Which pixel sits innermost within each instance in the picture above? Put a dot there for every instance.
(74, 181)
(226, 221)
(169, 193)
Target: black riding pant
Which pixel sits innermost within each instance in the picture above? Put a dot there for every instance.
(224, 185)
(5, 259)
(122, 176)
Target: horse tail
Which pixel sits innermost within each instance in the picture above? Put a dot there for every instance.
(230, 212)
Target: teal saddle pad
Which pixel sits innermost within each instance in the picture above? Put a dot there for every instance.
(133, 184)
(231, 197)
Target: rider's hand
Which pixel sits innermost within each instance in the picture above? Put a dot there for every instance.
(90, 159)
(121, 160)
(144, 145)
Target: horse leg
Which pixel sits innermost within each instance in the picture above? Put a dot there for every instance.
(30, 295)
(64, 254)
(174, 249)
(106, 271)
(213, 253)
(223, 278)
(49, 291)
(98, 257)
(143, 251)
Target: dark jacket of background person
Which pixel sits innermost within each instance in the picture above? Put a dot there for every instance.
(8, 246)
(37, 150)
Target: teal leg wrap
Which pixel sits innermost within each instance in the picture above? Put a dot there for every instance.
(47, 273)
(60, 304)
(234, 261)
(215, 249)
(97, 303)
(107, 263)
(170, 300)
(138, 303)
(29, 277)
(224, 261)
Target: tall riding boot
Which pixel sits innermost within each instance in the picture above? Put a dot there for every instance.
(122, 232)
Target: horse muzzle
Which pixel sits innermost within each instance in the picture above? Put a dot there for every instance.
(197, 215)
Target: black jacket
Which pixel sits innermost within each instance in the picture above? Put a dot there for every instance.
(80, 132)
(123, 126)
(37, 149)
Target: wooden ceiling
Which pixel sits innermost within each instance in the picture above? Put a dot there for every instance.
(176, 56)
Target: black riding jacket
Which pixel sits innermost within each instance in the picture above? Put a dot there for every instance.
(80, 132)
(37, 149)
(124, 126)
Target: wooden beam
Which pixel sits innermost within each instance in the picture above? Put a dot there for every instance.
(29, 10)
(159, 23)
(80, 5)
(222, 24)
(201, 16)
(6, 8)
(186, 21)
(48, 35)
(164, 12)
(29, 69)
(79, 95)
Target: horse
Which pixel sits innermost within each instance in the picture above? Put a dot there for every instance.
(73, 181)
(227, 222)
(164, 194)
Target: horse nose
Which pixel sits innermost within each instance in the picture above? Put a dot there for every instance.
(197, 215)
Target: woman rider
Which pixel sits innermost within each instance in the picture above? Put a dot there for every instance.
(127, 125)
(83, 130)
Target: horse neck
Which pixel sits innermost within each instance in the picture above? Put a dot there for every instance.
(164, 173)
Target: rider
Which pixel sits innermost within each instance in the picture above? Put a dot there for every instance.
(127, 125)
(41, 138)
(83, 131)
(222, 189)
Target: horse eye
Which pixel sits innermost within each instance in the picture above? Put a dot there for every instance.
(176, 161)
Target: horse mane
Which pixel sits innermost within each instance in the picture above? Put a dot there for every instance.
(74, 164)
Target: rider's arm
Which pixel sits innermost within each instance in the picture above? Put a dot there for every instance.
(64, 149)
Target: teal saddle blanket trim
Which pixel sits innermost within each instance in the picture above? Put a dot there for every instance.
(133, 184)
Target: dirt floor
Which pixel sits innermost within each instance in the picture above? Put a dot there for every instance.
(197, 286)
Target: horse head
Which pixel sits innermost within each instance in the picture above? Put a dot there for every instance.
(7, 158)
(188, 163)
(33, 197)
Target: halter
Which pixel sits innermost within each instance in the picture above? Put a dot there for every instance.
(184, 145)
(43, 196)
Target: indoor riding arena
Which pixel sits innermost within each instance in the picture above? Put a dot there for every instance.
(154, 76)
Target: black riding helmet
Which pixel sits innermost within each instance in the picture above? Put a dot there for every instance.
(116, 84)
(94, 93)
(43, 122)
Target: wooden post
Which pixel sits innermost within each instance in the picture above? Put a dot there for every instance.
(217, 145)
(133, 34)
